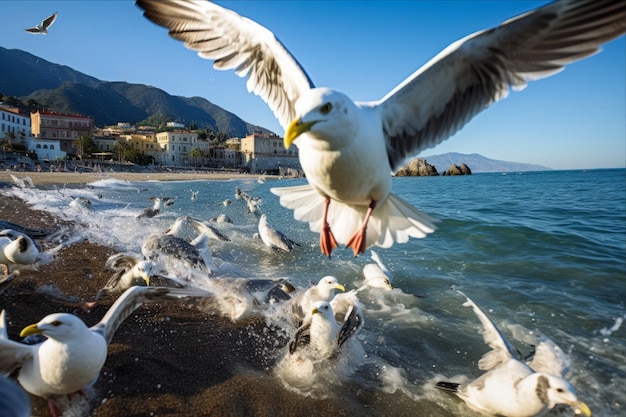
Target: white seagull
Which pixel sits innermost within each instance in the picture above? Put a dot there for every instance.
(17, 248)
(324, 290)
(73, 354)
(511, 387)
(377, 275)
(321, 333)
(129, 271)
(274, 238)
(43, 27)
(348, 150)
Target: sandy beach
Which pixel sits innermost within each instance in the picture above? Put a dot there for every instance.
(167, 358)
(50, 178)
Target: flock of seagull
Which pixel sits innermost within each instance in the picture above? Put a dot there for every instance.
(324, 318)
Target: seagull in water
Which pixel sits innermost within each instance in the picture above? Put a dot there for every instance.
(42, 29)
(274, 238)
(72, 355)
(325, 290)
(129, 271)
(511, 387)
(348, 150)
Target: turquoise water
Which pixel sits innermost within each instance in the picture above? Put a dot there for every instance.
(537, 251)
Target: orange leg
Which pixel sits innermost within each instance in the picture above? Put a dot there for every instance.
(357, 241)
(327, 239)
(54, 410)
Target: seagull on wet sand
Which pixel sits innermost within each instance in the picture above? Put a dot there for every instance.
(42, 29)
(129, 271)
(348, 150)
(17, 248)
(512, 388)
(73, 354)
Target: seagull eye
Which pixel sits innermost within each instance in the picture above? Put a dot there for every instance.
(326, 108)
(56, 323)
(560, 390)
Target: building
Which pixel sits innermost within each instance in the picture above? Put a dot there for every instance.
(66, 128)
(175, 147)
(13, 120)
(266, 153)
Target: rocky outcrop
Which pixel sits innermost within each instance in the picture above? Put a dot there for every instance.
(418, 167)
(458, 170)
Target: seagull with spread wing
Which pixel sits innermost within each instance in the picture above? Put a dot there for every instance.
(512, 388)
(72, 355)
(348, 150)
(42, 29)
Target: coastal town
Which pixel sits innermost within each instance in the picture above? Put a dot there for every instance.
(34, 138)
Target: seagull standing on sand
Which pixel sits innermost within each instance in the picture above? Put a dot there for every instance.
(512, 388)
(72, 355)
(348, 150)
(17, 248)
(42, 29)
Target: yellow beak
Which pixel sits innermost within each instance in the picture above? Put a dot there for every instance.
(147, 279)
(295, 129)
(315, 311)
(581, 408)
(340, 287)
(28, 330)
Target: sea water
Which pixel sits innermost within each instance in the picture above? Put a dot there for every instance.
(537, 251)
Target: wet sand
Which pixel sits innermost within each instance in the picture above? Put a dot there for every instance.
(166, 359)
(50, 178)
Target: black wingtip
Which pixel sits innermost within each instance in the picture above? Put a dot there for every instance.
(448, 386)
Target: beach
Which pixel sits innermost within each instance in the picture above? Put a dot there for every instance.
(167, 358)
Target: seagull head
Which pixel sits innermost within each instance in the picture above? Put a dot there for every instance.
(328, 285)
(558, 391)
(324, 309)
(142, 270)
(59, 326)
(325, 114)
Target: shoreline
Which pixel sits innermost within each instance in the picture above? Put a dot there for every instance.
(52, 178)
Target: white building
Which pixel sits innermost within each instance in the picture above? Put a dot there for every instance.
(12, 120)
(175, 147)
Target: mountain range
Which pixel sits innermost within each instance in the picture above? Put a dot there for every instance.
(64, 89)
(478, 163)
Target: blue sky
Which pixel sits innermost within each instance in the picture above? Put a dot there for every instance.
(575, 119)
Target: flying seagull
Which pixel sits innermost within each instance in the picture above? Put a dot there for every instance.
(511, 387)
(43, 27)
(348, 150)
(72, 355)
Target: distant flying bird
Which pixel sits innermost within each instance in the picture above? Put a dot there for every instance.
(43, 27)
(349, 150)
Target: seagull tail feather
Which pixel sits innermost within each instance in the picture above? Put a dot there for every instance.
(393, 221)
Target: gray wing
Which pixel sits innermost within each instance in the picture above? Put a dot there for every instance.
(132, 298)
(353, 322)
(476, 71)
(501, 348)
(237, 43)
(550, 359)
(33, 233)
(121, 262)
(48, 21)
(12, 354)
(211, 231)
(301, 338)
